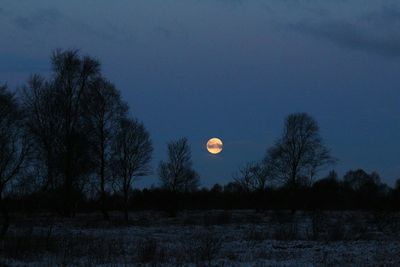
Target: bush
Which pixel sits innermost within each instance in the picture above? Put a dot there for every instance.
(202, 248)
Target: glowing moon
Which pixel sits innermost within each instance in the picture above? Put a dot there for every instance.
(214, 145)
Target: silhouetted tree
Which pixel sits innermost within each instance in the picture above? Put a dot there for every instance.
(297, 156)
(326, 192)
(102, 111)
(131, 155)
(72, 77)
(252, 177)
(360, 180)
(299, 153)
(60, 120)
(217, 188)
(397, 185)
(177, 173)
(368, 189)
(14, 147)
(44, 126)
(396, 195)
(232, 188)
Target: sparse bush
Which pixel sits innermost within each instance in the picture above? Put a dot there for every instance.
(203, 248)
(26, 244)
(386, 222)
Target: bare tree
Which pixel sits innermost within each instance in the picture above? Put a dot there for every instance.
(44, 126)
(177, 174)
(72, 77)
(14, 147)
(103, 110)
(252, 177)
(57, 122)
(298, 155)
(131, 156)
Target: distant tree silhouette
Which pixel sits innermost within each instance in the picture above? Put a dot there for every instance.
(252, 177)
(326, 192)
(397, 185)
(296, 157)
(360, 180)
(233, 188)
(368, 190)
(14, 147)
(396, 195)
(131, 155)
(103, 110)
(217, 188)
(177, 173)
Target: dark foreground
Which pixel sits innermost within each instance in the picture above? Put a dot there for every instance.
(206, 238)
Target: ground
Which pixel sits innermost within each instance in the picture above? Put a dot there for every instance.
(205, 238)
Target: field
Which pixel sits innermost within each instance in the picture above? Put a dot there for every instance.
(205, 238)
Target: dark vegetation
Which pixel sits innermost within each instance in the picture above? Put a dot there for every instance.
(68, 144)
(205, 238)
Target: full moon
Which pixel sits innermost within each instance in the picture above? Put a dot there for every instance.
(214, 145)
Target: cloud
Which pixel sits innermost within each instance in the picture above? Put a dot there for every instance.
(387, 14)
(376, 32)
(54, 20)
(48, 17)
(348, 35)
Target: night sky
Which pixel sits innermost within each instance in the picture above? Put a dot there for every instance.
(231, 69)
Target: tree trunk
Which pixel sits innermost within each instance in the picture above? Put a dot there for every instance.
(103, 196)
(68, 199)
(102, 182)
(293, 193)
(104, 206)
(6, 219)
(126, 214)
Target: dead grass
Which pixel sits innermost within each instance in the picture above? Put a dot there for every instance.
(204, 239)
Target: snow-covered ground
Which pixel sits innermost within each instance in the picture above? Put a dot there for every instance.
(206, 238)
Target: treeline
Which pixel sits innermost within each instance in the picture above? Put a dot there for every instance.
(357, 190)
(68, 143)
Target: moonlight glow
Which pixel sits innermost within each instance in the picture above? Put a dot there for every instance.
(214, 145)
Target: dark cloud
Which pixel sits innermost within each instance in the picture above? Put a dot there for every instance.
(388, 14)
(48, 17)
(350, 35)
(54, 19)
(376, 31)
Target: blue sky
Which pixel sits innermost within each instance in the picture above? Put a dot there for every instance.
(231, 69)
